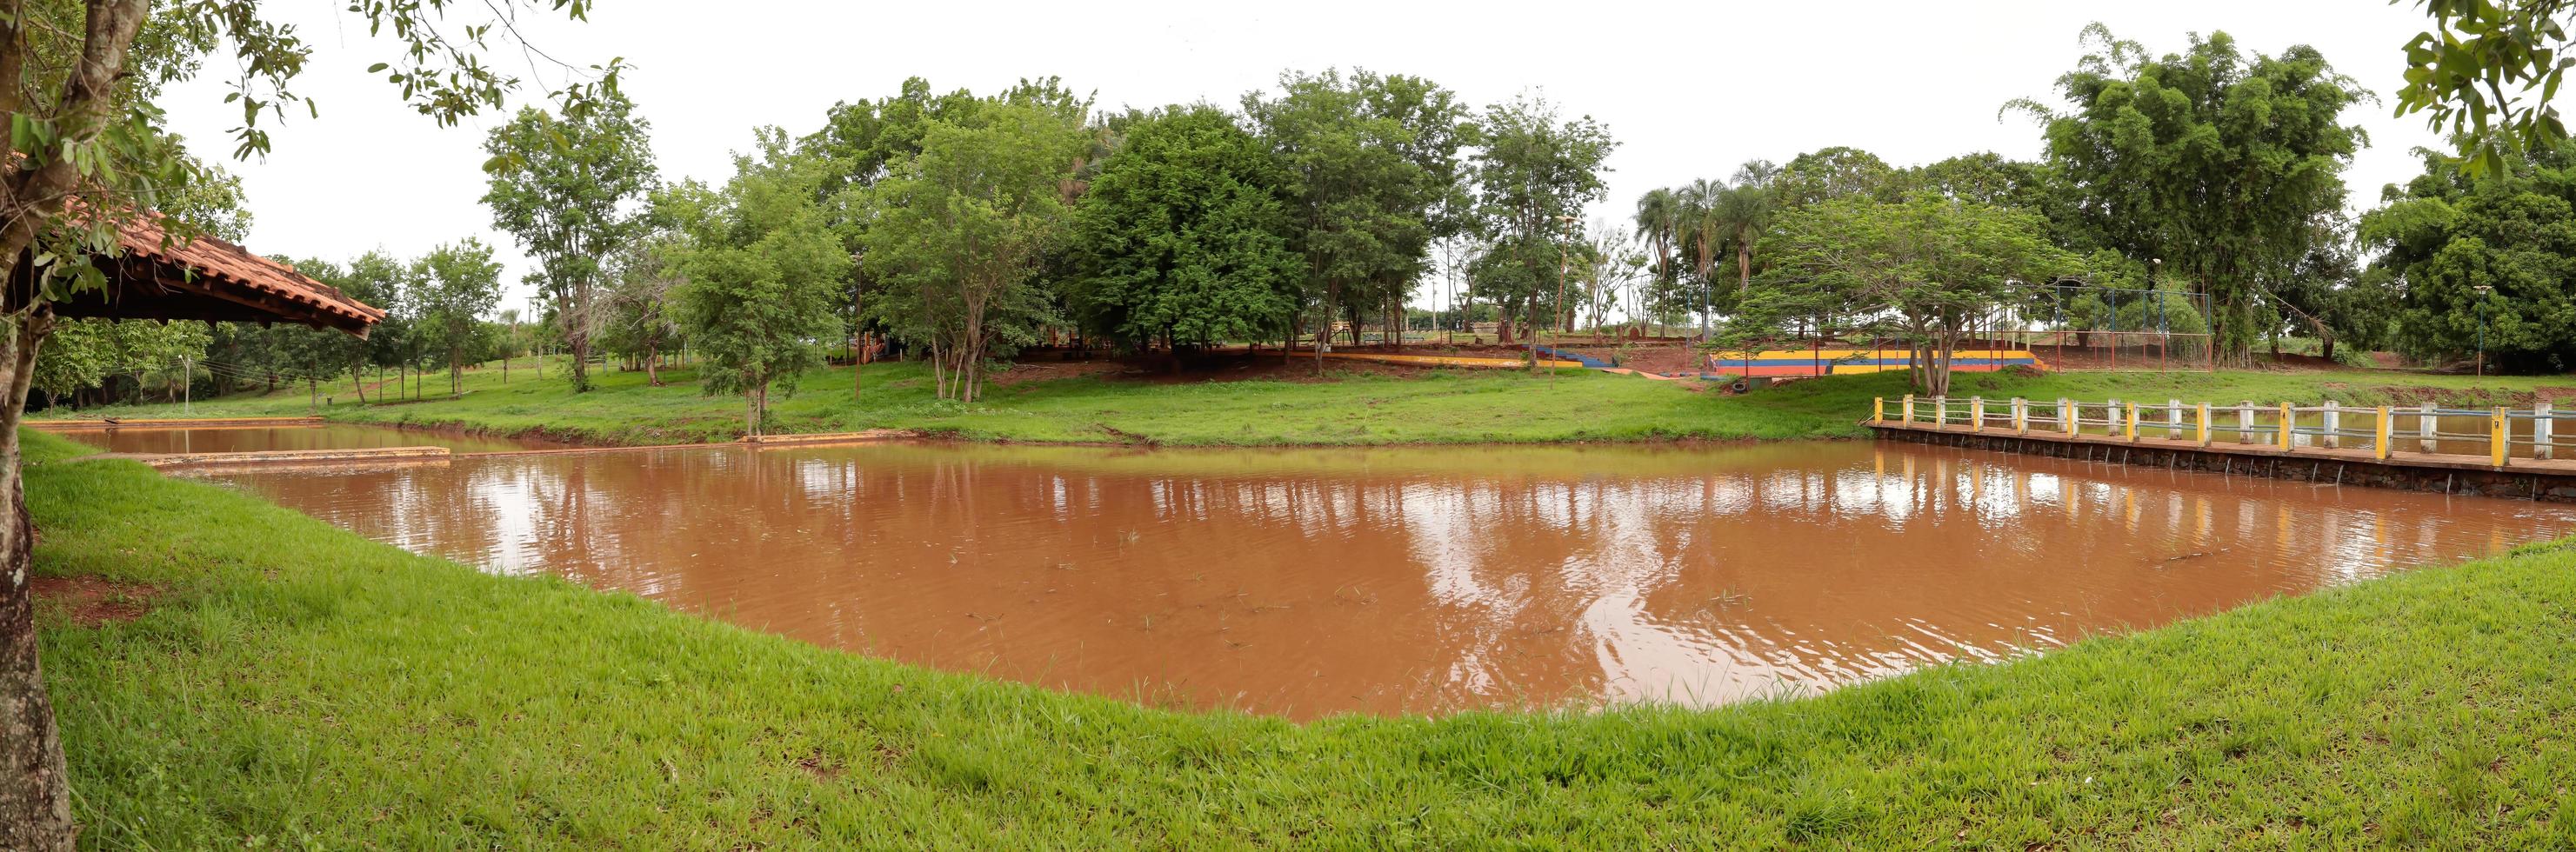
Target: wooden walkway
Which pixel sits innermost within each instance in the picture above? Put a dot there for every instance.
(2538, 479)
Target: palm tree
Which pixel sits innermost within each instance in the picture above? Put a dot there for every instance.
(1744, 210)
(1659, 221)
(1702, 203)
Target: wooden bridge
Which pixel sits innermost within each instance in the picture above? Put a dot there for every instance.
(2494, 451)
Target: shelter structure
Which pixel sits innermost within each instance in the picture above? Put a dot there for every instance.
(156, 277)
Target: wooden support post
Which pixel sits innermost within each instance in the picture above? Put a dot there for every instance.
(2132, 422)
(2287, 420)
(2498, 447)
(2021, 416)
(2379, 446)
(2334, 423)
(2425, 424)
(2541, 433)
(1878, 409)
(2204, 424)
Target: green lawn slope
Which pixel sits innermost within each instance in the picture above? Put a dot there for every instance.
(1350, 408)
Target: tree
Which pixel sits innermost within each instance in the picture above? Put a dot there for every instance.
(1184, 237)
(959, 232)
(460, 283)
(2216, 161)
(1533, 176)
(642, 320)
(82, 354)
(1372, 179)
(77, 81)
(2511, 230)
(566, 185)
(1928, 269)
(1743, 211)
(761, 267)
(2486, 72)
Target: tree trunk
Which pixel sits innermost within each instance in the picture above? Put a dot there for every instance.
(358, 380)
(35, 790)
(652, 353)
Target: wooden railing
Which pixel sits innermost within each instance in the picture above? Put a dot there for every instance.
(2502, 436)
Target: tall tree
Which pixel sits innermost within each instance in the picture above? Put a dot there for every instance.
(77, 84)
(567, 186)
(642, 320)
(459, 284)
(762, 269)
(2511, 230)
(1533, 176)
(1183, 237)
(2212, 159)
(1371, 174)
(958, 233)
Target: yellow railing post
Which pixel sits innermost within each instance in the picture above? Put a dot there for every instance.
(1976, 414)
(2379, 445)
(2204, 424)
(2500, 449)
(2286, 422)
(2021, 416)
(2072, 412)
(2132, 423)
(1878, 409)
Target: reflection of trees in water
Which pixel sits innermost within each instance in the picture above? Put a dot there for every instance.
(1398, 583)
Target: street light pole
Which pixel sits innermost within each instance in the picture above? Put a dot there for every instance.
(2483, 290)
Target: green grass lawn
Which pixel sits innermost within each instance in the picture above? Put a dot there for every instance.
(295, 685)
(1440, 406)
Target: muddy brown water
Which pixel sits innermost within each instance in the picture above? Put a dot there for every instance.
(1415, 580)
(328, 436)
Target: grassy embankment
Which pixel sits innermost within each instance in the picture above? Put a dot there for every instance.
(1434, 406)
(298, 685)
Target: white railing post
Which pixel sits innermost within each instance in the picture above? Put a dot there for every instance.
(2066, 415)
(2540, 432)
(1941, 412)
(1909, 409)
(2334, 423)
(2173, 418)
(2424, 428)
(2245, 422)
(2111, 416)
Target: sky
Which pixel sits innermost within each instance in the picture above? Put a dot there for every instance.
(1688, 90)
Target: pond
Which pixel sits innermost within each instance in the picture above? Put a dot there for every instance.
(327, 436)
(1410, 580)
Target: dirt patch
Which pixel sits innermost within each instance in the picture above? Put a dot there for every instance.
(90, 601)
(822, 767)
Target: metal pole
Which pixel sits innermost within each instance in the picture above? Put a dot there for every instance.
(187, 385)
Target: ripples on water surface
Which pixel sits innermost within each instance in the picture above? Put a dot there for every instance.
(1309, 582)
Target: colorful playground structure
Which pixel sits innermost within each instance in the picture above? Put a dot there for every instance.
(1794, 363)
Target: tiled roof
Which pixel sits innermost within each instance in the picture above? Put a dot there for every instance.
(220, 265)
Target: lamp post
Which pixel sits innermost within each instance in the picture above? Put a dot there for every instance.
(2483, 290)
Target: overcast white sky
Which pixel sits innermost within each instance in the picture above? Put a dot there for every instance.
(1689, 90)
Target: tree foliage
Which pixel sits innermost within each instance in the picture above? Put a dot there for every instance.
(1926, 270)
(761, 266)
(2217, 161)
(1533, 175)
(2512, 231)
(1184, 237)
(567, 186)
